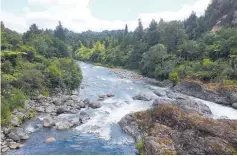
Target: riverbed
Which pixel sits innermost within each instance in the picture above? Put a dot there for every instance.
(102, 134)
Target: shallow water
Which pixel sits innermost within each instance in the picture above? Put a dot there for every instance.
(102, 134)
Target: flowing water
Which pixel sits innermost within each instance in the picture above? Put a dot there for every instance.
(101, 134)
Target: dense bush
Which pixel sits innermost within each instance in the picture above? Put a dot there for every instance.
(38, 64)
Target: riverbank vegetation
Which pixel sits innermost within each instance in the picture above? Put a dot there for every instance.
(37, 62)
(199, 48)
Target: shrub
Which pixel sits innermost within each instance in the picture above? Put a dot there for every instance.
(174, 77)
(140, 147)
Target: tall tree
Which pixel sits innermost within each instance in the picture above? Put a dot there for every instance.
(191, 25)
(139, 32)
(152, 35)
(126, 30)
(59, 32)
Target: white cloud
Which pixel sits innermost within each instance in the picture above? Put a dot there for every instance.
(76, 15)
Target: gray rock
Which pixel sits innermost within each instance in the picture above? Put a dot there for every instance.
(162, 101)
(57, 101)
(14, 145)
(101, 99)
(62, 110)
(9, 140)
(192, 106)
(75, 98)
(63, 125)
(40, 109)
(74, 92)
(84, 117)
(18, 134)
(197, 90)
(86, 101)
(38, 126)
(81, 104)
(50, 109)
(186, 103)
(48, 122)
(141, 97)
(234, 105)
(27, 104)
(110, 95)
(5, 149)
(102, 96)
(130, 126)
(95, 104)
(69, 103)
(20, 115)
(160, 92)
(233, 97)
(15, 121)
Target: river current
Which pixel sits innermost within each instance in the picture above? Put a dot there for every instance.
(102, 134)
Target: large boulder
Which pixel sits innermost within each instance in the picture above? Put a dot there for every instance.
(50, 109)
(15, 121)
(75, 98)
(40, 109)
(27, 104)
(234, 105)
(197, 90)
(48, 122)
(130, 126)
(86, 101)
(95, 104)
(160, 92)
(63, 125)
(14, 145)
(18, 134)
(168, 129)
(61, 110)
(193, 106)
(69, 103)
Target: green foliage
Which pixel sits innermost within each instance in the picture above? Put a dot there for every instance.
(29, 69)
(140, 147)
(174, 77)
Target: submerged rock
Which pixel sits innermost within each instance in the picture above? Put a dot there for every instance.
(167, 129)
(141, 97)
(51, 139)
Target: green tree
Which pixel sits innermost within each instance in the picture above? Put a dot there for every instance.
(126, 30)
(59, 32)
(152, 35)
(139, 32)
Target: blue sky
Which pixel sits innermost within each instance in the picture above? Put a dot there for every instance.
(97, 15)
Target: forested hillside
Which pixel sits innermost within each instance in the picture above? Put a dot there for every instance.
(201, 48)
(37, 62)
(198, 48)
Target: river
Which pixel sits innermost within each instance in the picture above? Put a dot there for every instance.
(102, 134)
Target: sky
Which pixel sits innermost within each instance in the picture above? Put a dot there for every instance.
(95, 15)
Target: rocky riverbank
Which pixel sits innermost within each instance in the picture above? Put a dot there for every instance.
(170, 129)
(220, 96)
(47, 112)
